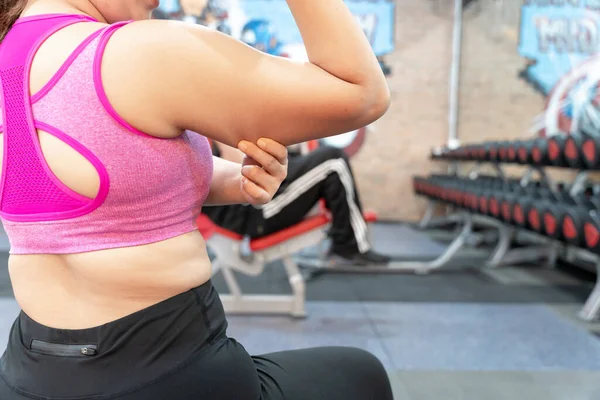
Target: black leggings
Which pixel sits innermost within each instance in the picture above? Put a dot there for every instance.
(177, 350)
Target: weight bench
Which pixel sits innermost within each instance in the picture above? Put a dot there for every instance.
(235, 254)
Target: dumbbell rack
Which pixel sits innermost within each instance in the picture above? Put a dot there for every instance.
(502, 234)
(536, 246)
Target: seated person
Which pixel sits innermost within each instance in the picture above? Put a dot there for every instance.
(324, 173)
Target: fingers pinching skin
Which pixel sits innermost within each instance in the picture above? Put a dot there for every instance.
(263, 170)
(254, 194)
(270, 163)
(275, 149)
(261, 178)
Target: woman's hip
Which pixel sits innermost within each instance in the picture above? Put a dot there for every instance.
(118, 357)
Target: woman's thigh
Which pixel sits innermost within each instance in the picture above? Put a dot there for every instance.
(227, 372)
(326, 373)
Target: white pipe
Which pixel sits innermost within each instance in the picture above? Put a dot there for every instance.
(453, 140)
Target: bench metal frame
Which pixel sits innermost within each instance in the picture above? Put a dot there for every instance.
(231, 256)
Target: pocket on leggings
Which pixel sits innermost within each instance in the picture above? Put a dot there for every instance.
(63, 350)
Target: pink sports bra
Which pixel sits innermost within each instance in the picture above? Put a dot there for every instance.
(151, 189)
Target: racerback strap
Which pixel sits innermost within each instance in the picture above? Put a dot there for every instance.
(26, 187)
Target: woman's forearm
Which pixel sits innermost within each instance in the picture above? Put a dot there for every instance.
(225, 185)
(336, 43)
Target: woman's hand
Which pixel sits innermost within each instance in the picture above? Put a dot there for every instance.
(263, 170)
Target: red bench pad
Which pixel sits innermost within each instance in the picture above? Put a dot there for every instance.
(295, 230)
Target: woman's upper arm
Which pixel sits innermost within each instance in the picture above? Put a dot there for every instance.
(190, 77)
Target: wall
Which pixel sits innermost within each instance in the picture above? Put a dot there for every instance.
(417, 118)
(494, 102)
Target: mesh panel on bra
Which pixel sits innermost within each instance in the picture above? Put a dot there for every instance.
(27, 187)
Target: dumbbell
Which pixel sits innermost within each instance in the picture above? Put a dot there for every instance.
(524, 149)
(465, 192)
(535, 214)
(587, 143)
(478, 152)
(511, 152)
(471, 152)
(494, 198)
(573, 151)
(556, 150)
(434, 187)
(590, 149)
(553, 209)
(503, 151)
(446, 188)
(473, 191)
(577, 153)
(526, 197)
(454, 189)
(507, 151)
(512, 201)
(509, 200)
(484, 196)
(539, 152)
(591, 231)
(490, 188)
(498, 198)
(457, 191)
(484, 151)
(576, 216)
(419, 185)
(493, 151)
(430, 186)
(590, 146)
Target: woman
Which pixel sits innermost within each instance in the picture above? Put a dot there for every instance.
(102, 177)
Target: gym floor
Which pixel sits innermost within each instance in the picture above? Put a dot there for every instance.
(462, 333)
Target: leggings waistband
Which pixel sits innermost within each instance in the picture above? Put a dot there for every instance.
(118, 355)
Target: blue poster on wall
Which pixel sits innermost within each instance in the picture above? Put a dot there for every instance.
(269, 24)
(556, 36)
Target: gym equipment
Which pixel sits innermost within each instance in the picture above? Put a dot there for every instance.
(478, 152)
(552, 210)
(590, 150)
(493, 151)
(511, 152)
(534, 214)
(524, 149)
(479, 190)
(539, 152)
(528, 196)
(490, 188)
(233, 254)
(508, 200)
(546, 218)
(591, 231)
(588, 145)
(484, 151)
(503, 151)
(496, 197)
(573, 151)
(556, 150)
(567, 150)
(573, 223)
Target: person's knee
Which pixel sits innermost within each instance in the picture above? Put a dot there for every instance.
(364, 359)
(369, 369)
